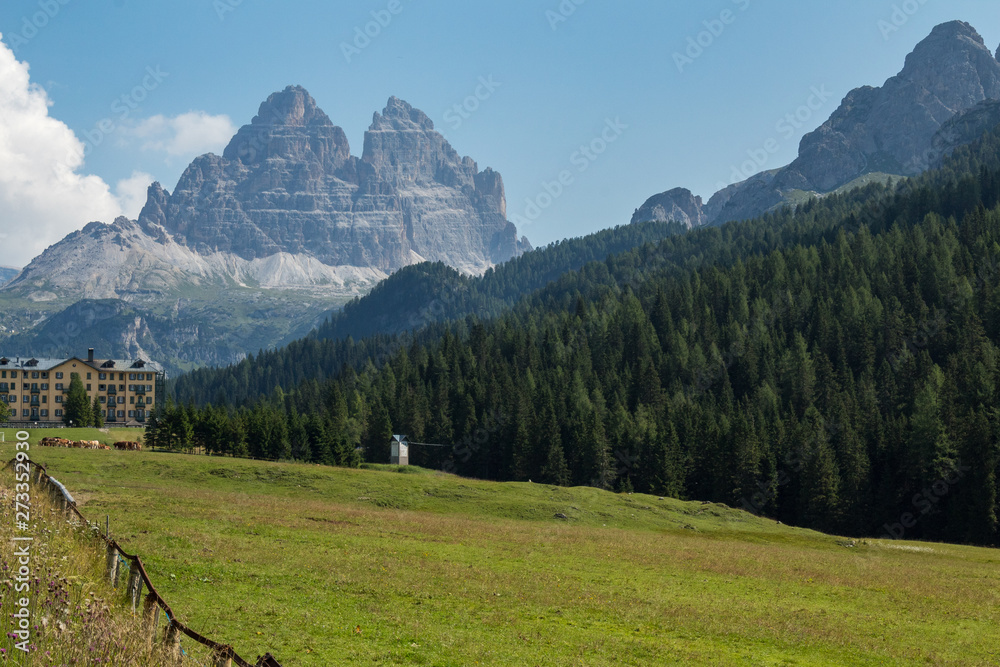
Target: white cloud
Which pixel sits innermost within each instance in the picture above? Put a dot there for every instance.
(43, 194)
(131, 192)
(185, 136)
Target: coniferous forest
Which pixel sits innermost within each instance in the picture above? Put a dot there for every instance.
(834, 366)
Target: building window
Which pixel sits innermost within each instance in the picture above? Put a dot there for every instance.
(45, 376)
(26, 399)
(59, 399)
(45, 413)
(59, 413)
(88, 386)
(3, 374)
(121, 387)
(102, 376)
(121, 376)
(25, 413)
(88, 375)
(26, 387)
(34, 375)
(121, 400)
(59, 386)
(59, 376)
(13, 374)
(131, 414)
(45, 399)
(103, 399)
(45, 386)
(101, 387)
(121, 413)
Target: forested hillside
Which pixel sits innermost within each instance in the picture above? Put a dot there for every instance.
(834, 367)
(411, 300)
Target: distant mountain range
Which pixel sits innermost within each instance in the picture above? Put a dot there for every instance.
(945, 96)
(253, 247)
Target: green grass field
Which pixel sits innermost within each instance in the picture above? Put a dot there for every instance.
(324, 566)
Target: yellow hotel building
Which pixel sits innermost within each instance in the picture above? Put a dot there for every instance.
(35, 389)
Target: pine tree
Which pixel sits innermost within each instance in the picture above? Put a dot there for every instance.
(97, 414)
(820, 501)
(154, 433)
(555, 471)
(299, 438)
(237, 436)
(76, 409)
(931, 449)
(377, 437)
(180, 432)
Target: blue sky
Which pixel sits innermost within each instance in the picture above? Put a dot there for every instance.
(562, 73)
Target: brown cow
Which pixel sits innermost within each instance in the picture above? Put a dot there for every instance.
(128, 446)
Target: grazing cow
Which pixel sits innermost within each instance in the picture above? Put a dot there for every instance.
(128, 446)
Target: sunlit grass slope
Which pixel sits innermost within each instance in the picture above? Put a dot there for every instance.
(325, 566)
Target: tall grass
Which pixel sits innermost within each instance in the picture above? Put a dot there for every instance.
(77, 617)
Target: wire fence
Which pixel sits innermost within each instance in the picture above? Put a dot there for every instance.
(152, 604)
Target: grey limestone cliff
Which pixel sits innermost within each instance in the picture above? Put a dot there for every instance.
(287, 182)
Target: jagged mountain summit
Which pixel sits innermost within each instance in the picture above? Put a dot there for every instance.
(287, 205)
(268, 237)
(677, 205)
(287, 182)
(889, 130)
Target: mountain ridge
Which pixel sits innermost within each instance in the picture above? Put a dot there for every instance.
(889, 129)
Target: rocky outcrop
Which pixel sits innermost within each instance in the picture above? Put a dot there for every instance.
(963, 129)
(677, 205)
(288, 183)
(890, 128)
(893, 129)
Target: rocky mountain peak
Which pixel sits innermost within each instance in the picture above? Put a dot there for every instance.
(677, 205)
(289, 126)
(293, 106)
(400, 117)
(954, 54)
(946, 86)
(404, 148)
(287, 183)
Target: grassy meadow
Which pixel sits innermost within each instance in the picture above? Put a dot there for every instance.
(385, 566)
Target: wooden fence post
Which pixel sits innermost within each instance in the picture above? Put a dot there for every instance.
(172, 643)
(112, 567)
(151, 614)
(223, 658)
(134, 584)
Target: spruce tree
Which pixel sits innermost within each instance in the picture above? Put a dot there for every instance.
(97, 414)
(76, 410)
